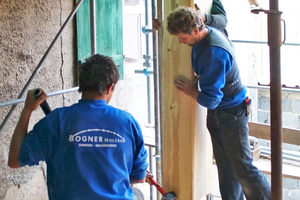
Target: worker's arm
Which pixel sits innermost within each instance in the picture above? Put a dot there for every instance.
(140, 155)
(21, 129)
(217, 17)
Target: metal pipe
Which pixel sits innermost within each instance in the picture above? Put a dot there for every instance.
(138, 71)
(268, 88)
(157, 99)
(38, 68)
(274, 42)
(93, 26)
(147, 64)
(151, 170)
(284, 152)
(262, 42)
(158, 92)
(284, 156)
(21, 100)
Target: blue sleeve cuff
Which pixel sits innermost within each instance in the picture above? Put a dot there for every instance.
(138, 176)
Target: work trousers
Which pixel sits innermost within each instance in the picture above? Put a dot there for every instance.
(237, 174)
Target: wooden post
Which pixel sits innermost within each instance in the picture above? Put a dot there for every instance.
(186, 145)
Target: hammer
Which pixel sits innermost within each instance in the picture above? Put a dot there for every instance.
(166, 195)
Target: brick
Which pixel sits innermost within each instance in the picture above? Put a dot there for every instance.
(264, 103)
(290, 120)
(286, 105)
(263, 116)
(295, 194)
(295, 106)
(289, 183)
(287, 194)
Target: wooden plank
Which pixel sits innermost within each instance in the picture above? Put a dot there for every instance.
(186, 146)
(288, 170)
(262, 131)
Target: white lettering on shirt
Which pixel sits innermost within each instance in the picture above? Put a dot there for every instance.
(97, 138)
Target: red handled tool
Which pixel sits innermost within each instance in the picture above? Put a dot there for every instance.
(166, 195)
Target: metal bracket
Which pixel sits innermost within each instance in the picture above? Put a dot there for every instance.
(147, 62)
(258, 10)
(146, 30)
(145, 71)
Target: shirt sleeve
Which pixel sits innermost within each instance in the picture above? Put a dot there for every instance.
(37, 145)
(212, 73)
(140, 162)
(217, 18)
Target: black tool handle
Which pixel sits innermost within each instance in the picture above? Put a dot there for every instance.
(44, 105)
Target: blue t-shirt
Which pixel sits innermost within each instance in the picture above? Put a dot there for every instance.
(91, 149)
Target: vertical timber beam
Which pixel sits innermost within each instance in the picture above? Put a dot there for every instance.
(186, 146)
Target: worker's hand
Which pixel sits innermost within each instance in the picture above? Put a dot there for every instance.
(34, 99)
(148, 177)
(200, 12)
(187, 86)
(156, 24)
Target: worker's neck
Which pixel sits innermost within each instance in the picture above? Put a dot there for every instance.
(93, 95)
(202, 34)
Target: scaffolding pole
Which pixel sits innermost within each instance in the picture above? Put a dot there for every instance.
(274, 42)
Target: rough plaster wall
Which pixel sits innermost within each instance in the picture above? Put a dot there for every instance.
(27, 29)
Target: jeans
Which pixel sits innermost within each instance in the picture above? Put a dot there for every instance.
(237, 174)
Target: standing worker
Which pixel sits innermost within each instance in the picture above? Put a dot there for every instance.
(93, 151)
(224, 95)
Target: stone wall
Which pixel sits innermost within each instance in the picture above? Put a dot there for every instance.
(27, 28)
(290, 113)
(290, 109)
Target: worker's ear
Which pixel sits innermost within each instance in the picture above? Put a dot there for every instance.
(110, 88)
(196, 31)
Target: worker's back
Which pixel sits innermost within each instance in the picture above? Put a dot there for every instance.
(90, 148)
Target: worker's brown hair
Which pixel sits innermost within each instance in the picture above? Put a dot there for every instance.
(97, 73)
(184, 19)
